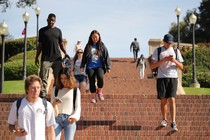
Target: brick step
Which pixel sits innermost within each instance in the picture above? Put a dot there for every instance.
(135, 117)
(138, 116)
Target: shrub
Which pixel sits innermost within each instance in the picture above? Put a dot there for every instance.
(14, 66)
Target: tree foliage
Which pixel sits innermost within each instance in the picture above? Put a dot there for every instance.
(204, 19)
(202, 26)
(4, 4)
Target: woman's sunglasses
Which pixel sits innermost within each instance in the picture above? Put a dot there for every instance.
(79, 52)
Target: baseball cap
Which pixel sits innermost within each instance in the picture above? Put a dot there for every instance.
(168, 38)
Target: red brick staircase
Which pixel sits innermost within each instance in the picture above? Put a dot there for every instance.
(131, 110)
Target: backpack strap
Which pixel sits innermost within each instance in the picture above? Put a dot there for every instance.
(56, 91)
(74, 96)
(159, 51)
(156, 69)
(18, 106)
(44, 101)
(175, 50)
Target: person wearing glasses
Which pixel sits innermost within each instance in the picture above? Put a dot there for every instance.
(80, 76)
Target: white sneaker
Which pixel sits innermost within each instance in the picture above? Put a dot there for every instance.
(163, 123)
(100, 96)
(93, 101)
(173, 126)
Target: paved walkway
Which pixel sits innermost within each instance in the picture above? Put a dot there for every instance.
(124, 79)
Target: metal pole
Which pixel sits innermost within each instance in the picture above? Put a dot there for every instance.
(37, 29)
(178, 30)
(2, 65)
(25, 49)
(194, 59)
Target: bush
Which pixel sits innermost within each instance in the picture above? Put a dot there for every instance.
(13, 47)
(14, 66)
(202, 67)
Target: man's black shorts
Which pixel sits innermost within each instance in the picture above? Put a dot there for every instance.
(166, 87)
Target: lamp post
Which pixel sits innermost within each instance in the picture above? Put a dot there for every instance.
(3, 32)
(37, 12)
(25, 19)
(177, 11)
(195, 83)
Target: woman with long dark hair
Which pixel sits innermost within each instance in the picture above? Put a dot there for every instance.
(96, 60)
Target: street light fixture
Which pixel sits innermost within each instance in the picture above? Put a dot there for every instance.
(178, 11)
(25, 19)
(37, 11)
(3, 32)
(195, 83)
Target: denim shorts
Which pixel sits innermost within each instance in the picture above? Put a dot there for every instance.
(80, 78)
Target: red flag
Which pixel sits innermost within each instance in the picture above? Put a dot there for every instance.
(24, 31)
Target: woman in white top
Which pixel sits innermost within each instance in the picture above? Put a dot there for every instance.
(67, 106)
(141, 64)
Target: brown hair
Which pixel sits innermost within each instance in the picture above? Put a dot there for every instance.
(70, 77)
(31, 79)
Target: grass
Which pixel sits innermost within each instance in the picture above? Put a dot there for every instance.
(14, 87)
(17, 87)
(197, 91)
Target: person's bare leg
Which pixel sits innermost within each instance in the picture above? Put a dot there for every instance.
(164, 108)
(172, 105)
(82, 87)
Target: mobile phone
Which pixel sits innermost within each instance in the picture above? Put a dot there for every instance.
(58, 99)
(22, 130)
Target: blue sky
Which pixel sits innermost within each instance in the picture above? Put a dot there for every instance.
(118, 21)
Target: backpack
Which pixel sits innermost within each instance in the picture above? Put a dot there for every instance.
(74, 95)
(155, 71)
(18, 103)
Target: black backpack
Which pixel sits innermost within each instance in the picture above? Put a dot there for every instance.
(155, 71)
(74, 95)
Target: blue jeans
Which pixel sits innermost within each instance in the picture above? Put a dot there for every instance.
(62, 123)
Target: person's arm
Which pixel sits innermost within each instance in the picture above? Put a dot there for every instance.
(77, 112)
(62, 48)
(17, 132)
(84, 59)
(178, 64)
(131, 46)
(38, 52)
(50, 133)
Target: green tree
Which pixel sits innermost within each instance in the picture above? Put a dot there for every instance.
(4, 4)
(204, 20)
(202, 26)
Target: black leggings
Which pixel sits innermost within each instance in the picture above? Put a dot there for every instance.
(92, 75)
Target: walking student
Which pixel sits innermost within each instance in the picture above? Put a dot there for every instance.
(50, 43)
(30, 115)
(167, 78)
(66, 101)
(141, 65)
(81, 77)
(135, 46)
(96, 60)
